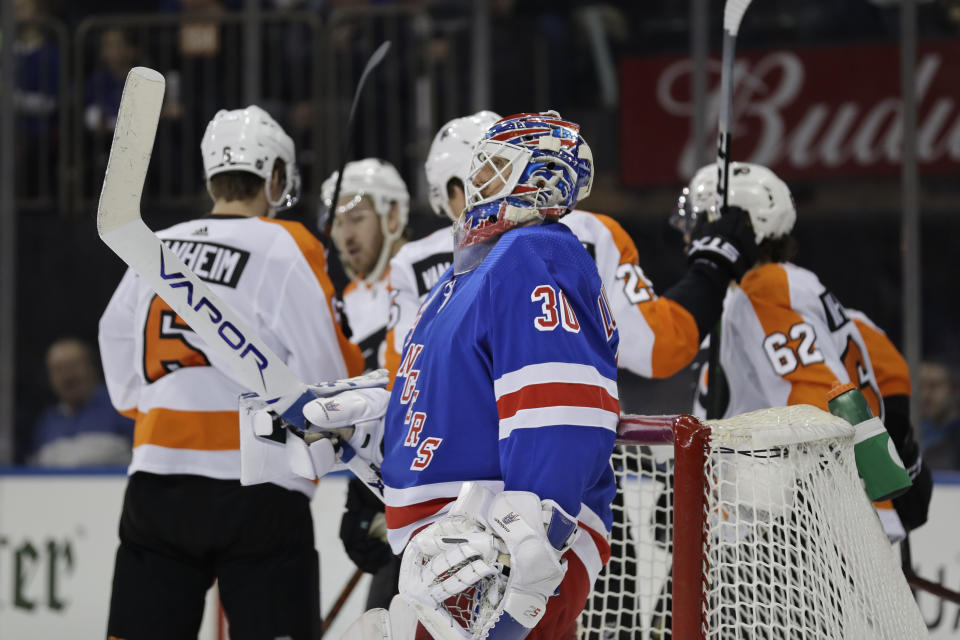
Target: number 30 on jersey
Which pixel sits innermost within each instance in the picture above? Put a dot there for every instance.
(556, 311)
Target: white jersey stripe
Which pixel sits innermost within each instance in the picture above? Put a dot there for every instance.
(398, 538)
(592, 520)
(223, 465)
(408, 496)
(546, 372)
(585, 548)
(553, 416)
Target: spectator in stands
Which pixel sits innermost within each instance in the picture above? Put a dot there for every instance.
(940, 416)
(118, 54)
(83, 428)
(36, 90)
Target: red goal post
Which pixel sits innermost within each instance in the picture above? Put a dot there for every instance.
(752, 527)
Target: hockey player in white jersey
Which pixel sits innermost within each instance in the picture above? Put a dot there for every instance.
(186, 519)
(785, 339)
(419, 264)
(368, 230)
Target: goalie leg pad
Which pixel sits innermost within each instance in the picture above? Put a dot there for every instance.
(536, 568)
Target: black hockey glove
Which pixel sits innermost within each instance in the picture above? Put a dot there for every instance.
(913, 505)
(721, 251)
(726, 245)
(368, 552)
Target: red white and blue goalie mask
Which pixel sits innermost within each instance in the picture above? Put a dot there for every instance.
(527, 168)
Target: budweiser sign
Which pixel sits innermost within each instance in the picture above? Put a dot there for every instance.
(828, 111)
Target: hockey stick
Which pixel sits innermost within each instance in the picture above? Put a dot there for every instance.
(345, 593)
(916, 582)
(345, 146)
(120, 225)
(733, 11)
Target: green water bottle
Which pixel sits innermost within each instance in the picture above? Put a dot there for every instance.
(884, 476)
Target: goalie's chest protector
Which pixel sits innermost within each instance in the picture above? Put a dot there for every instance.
(474, 330)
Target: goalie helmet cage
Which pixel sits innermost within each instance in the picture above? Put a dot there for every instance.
(755, 527)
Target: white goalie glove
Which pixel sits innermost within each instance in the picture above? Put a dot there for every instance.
(355, 415)
(272, 447)
(487, 569)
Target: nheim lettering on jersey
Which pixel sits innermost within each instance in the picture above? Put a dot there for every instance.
(212, 262)
(228, 332)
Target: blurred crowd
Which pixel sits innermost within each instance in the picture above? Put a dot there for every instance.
(71, 61)
(202, 57)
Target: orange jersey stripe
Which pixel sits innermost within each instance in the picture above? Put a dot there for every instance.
(200, 430)
(312, 250)
(768, 289)
(676, 337)
(889, 366)
(391, 359)
(622, 240)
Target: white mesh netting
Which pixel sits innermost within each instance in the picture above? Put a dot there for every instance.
(792, 547)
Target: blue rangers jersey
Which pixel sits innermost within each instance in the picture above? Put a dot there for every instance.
(508, 377)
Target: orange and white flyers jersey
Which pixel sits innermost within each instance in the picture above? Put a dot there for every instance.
(367, 308)
(181, 394)
(658, 337)
(413, 272)
(889, 365)
(786, 340)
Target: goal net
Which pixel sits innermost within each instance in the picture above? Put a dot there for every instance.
(755, 527)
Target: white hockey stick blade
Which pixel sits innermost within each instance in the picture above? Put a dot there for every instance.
(733, 12)
(120, 226)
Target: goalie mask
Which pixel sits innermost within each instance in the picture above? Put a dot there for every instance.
(449, 157)
(250, 140)
(527, 168)
(753, 188)
(378, 183)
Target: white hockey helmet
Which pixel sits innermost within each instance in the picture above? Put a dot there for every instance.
(450, 154)
(250, 140)
(379, 181)
(753, 188)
